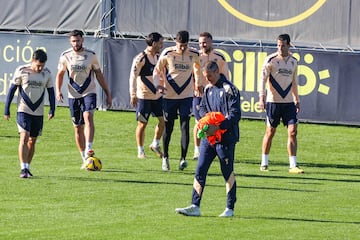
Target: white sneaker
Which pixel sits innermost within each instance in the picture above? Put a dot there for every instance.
(141, 155)
(196, 156)
(227, 213)
(83, 165)
(183, 164)
(192, 210)
(165, 164)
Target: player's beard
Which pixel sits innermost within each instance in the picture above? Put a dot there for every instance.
(207, 50)
(78, 48)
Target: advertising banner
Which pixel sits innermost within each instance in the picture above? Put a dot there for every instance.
(17, 49)
(328, 81)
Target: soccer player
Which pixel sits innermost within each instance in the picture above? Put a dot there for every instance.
(82, 66)
(279, 97)
(30, 80)
(173, 76)
(207, 54)
(220, 95)
(144, 95)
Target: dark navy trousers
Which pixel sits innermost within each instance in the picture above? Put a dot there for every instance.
(208, 152)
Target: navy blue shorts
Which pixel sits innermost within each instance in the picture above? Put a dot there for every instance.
(173, 107)
(146, 107)
(30, 123)
(80, 105)
(195, 107)
(284, 111)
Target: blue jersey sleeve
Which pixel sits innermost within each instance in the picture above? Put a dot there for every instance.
(9, 98)
(51, 93)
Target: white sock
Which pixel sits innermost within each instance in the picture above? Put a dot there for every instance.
(140, 149)
(82, 154)
(156, 142)
(27, 166)
(196, 149)
(292, 160)
(88, 146)
(22, 165)
(264, 159)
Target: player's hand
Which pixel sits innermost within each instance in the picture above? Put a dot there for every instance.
(161, 89)
(50, 116)
(109, 102)
(297, 105)
(133, 101)
(212, 130)
(199, 90)
(7, 117)
(59, 97)
(262, 103)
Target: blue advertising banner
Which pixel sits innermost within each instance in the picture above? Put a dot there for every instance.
(327, 80)
(17, 49)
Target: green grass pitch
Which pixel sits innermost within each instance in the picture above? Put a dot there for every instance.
(134, 199)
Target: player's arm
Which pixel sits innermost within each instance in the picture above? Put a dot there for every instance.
(51, 94)
(223, 66)
(265, 73)
(9, 99)
(294, 90)
(101, 80)
(224, 69)
(199, 87)
(136, 67)
(158, 74)
(15, 83)
(58, 83)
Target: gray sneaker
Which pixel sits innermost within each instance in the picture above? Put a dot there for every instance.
(196, 156)
(183, 164)
(165, 164)
(264, 168)
(192, 210)
(156, 150)
(227, 213)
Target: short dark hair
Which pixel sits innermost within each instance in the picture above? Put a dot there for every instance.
(40, 55)
(211, 66)
(284, 37)
(182, 36)
(206, 34)
(153, 37)
(75, 33)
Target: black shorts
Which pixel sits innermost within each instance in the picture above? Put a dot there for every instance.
(284, 111)
(80, 105)
(30, 123)
(146, 107)
(175, 107)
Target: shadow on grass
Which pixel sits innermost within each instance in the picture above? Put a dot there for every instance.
(313, 165)
(190, 184)
(263, 175)
(298, 177)
(280, 219)
(303, 164)
(9, 136)
(299, 220)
